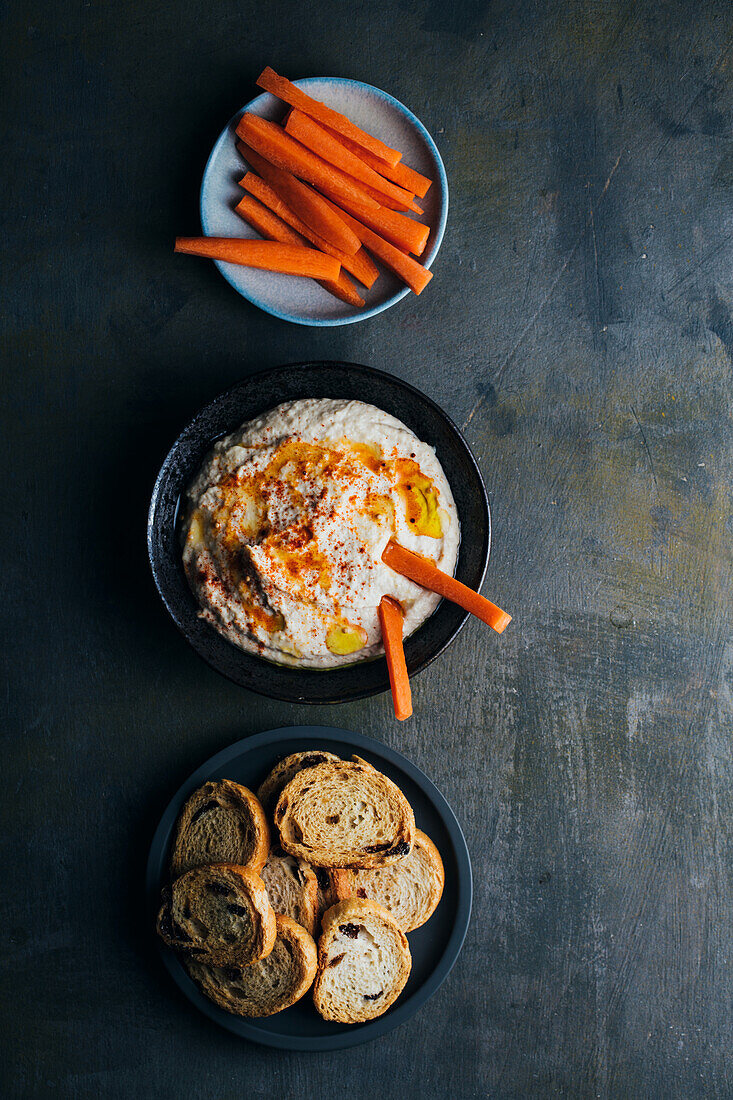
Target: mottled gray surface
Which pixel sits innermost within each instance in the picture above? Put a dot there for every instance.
(579, 326)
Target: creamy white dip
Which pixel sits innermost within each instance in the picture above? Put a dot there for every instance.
(287, 521)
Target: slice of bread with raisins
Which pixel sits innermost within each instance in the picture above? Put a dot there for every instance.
(219, 913)
(410, 889)
(363, 962)
(344, 813)
(269, 790)
(266, 986)
(292, 888)
(221, 822)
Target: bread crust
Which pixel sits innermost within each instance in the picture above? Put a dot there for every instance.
(218, 891)
(335, 993)
(409, 889)
(269, 790)
(246, 991)
(245, 841)
(344, 814)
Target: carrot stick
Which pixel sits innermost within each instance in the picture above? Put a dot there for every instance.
(391, 621)
(266, 223)
(410, 271)
(409, 235)
(399, 173)
(360, 264)
(289, 259)
(307, 131)
(308, 205)
(393, 204)
(269, 225)
(287, 91)
(271, 142)
(424, 572)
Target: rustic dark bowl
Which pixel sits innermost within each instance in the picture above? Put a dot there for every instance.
(243, 402)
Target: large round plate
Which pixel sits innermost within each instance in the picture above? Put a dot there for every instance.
(303, 300)
(434, 947)
(256, 395)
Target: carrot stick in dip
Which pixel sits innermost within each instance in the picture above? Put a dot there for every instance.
(290, 93)
(391, 619)
(288, 259)
(425, 573)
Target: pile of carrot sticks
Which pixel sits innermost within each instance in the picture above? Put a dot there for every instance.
(327, 197)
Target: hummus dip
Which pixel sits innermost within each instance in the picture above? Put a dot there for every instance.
(285, 526)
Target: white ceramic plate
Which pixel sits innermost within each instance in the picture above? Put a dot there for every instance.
(303, 300)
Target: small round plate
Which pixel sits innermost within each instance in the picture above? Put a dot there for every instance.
(249, 399)
(434, 947)
(303, 300)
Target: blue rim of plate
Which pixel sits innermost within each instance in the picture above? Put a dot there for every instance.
(402, 1010)
(437, 233)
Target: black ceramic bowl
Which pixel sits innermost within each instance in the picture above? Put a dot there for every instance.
(256, 395)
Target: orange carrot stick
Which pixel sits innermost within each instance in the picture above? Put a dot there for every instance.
(424, 572)
(360, 264)
(271, 142)
(321, 142)
(399, 173)
(287, 91)
(392, 204)
(309, 206)
(391, 621)
(410, 271)
(266, 223)
(275, 229)
(409, 235)
(313, 209)
(288, 259)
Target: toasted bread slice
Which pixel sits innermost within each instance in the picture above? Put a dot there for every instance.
(268, 985)
(292, 888)
(410, 890)
(269, 790)
(326, 877)
(219, 913)
(222, 822)
(344, 814)
(363, 962)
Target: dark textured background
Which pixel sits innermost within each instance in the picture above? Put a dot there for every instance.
(579, 327)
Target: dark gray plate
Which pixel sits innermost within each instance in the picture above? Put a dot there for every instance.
(434, 947)
(250, 398)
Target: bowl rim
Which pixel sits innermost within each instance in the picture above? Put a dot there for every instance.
(426, 260)
(190, 430)
(403, 1009)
